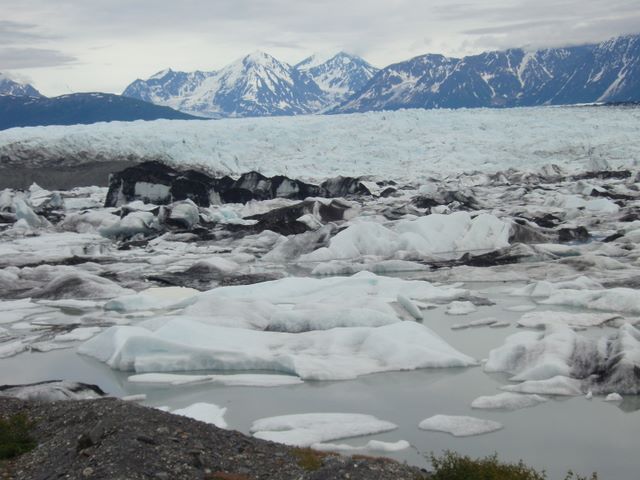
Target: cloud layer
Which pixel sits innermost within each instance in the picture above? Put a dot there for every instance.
(98, 45)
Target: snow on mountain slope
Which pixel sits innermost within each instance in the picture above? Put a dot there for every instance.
(255, 85)
(338, 76)
(605, 72)
(408, 144)
(11, 87)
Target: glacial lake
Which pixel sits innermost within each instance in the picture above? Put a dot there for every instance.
(561, 434)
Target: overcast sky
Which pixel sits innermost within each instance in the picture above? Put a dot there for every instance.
(64, 46)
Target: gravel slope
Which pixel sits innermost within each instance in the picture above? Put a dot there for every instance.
(112, 439)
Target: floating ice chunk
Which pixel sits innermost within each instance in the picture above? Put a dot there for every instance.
(133, 224)
(625, 300)
(363, 238)
(255, 380)
(78, 334)
(341, 353)
(53, 391)
(558, 385)
(140, 397)
(12, 311)
(507, 401)
(25, 213)
(72, 304)
(304, 430)
(9, 349)
(545, 288)
(460, 308)
(500, 324)
(409, 306)
(436, 234)
(183, 214)
(613, 397)
(204, 412)
(619, 355)
(542, 319)
(589, 395)
(154, 298)
(237, 380)
(371, 445)
(459, 426)
(220, 264)
(520, 308)
(481, 322)
(535, 356)
(602, 205)
(79, 285)
(168, 378)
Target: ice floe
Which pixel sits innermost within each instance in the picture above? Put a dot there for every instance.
(507, 401)
(204, 412)
(304, 430)
(371, 445)
(235, 380)
(459, 426)
(335, 354)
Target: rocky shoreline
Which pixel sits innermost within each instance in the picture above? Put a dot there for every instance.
(113, 439)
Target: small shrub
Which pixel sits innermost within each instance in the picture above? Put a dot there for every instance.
(452, 466)
(15, 436)
(309, 459)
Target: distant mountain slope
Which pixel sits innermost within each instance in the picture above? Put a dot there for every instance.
(339, 76)
(78, 108)
(11, 87)
(605, 72)
(257, 85)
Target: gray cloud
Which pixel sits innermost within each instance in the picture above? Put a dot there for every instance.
(119, 40)
(19, 58)
(21, 33)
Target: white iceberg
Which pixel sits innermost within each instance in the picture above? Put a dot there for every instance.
(204, 412)
(304, 430)
(459, 426)
(336, 354)
(507, 401)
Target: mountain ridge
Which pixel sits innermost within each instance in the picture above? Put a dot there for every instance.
(257, 85)
(604, 72)
(79, 108)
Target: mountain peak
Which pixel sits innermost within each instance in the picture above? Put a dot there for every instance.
(161, 74)
(9, 86)
(259, 57)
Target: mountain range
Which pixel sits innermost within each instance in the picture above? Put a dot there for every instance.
(257, 85)
(260, 85)
(606, 72)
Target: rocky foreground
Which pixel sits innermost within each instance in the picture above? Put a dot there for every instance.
(113, 439)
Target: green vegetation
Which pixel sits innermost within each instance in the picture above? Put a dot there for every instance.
(309, 459)
(15, 436)
(452, 466)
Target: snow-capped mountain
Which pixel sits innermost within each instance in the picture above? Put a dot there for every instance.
(11, 87)
(339, 76)
(255, 85)
(605, 72)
